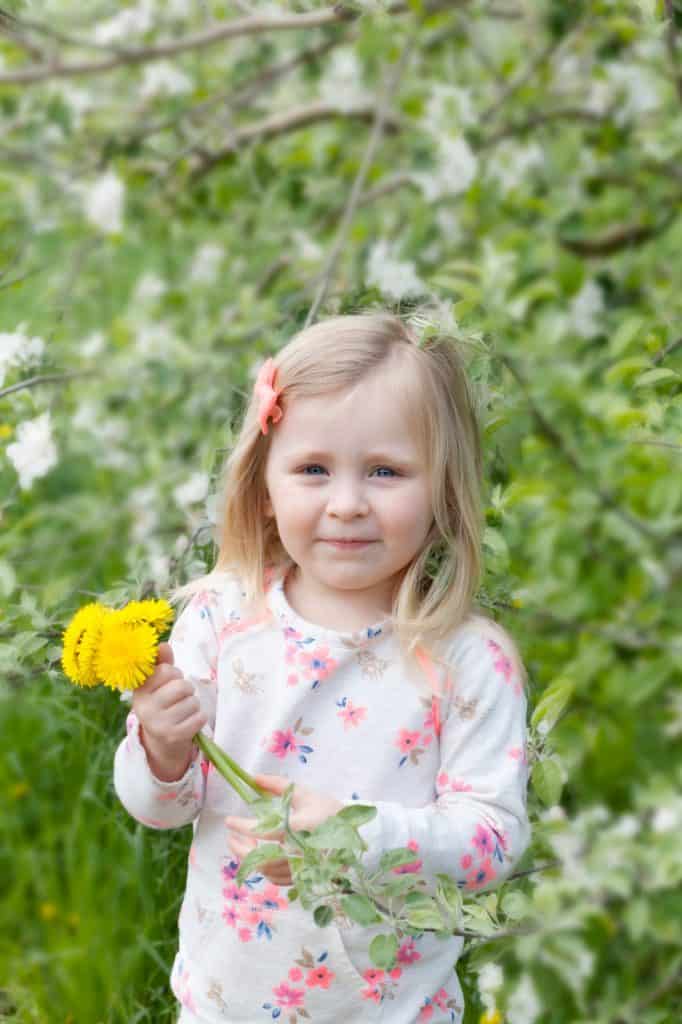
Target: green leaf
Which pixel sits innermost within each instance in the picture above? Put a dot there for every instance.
(261, 855)
(547, 781)
(383, 950)
(552, 703)
(357, 814)
(323, 916)
(394, 858)
(655, 377)
(516, 905)
(334, 835)
(360, 909)
(450, 894)
(426, 917)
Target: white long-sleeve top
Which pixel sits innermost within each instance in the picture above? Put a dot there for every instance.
(335, 711)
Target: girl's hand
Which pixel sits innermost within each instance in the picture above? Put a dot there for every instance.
(308, 810)
(170, 716)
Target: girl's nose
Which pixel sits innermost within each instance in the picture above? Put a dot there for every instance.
(347, 499)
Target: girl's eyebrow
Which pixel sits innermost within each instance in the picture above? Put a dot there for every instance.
(307, 456)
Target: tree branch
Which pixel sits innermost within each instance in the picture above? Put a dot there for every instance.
(542, 117)
(279, 124)
(381, 118)
(200, 40)
(623, 236)
(561, 444)
(45, 379)
(671, 43)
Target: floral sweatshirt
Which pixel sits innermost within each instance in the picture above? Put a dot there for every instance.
(335, 711)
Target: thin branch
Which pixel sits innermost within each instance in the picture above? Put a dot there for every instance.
(249, 26)
(390, 89)
(623, 236)
(44, 379)
(671, 43)
(542, 117)
(521, 79)
(665, 352)
(279, 124)
(200, 40)
(548, 430)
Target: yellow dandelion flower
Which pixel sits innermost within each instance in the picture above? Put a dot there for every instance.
(87, 620)
(48, 911)
(126, 654)
(157, 613)
(491, 1017)
(5, 431)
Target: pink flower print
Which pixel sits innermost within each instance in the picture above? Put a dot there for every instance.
(321, 976)
(411, 866)
(371, 993)
(230, 916)
(395, 973)
(373, 976)
(230, 870)
(440, 999)
(483, 841)
(287, 996)
(460, 786)
(426, 1012)
(481, 875)
(317, 664)
(466, 861)
(350, 715)
(295, 974)
(407, 740)
(407, 954)
(518, 754)
(236, 893)
(270, 898)
(503, 665)
(282, 743)
(245, 934)
(432, 720)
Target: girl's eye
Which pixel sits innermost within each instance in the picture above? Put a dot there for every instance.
(307, 470)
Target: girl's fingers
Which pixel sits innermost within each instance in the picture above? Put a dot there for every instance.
(246, 826)
(273, 783)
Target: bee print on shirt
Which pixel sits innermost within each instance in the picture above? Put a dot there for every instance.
(244, 680)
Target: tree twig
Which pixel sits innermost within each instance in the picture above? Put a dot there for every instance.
(381, 118)
(48, 378)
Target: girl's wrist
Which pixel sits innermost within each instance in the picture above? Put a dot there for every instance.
(165, 765)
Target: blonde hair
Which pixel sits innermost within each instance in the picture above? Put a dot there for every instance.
(437, 590)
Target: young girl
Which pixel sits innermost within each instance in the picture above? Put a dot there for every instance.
(335, 646)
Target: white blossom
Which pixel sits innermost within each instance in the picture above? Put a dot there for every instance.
(103, 203)
(154, 339)
(667, 819)
(308, 249)
(17, 349)
(638, 87)
(193, 490)
(490, 980)
(93, 345)
(163, 78)
(206, 263)
(149, 287)
(391, 276)
(130, 21)
(524, 1007)
(34, 452)
(627, 826)
(448, 106)
(497, 268)
(585, 309)
(456, 169)
(342, 84)
(143, 503)
(513, 162)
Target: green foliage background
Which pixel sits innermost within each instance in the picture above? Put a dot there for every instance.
(550, 231)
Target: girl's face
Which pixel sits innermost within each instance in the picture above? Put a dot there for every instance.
(344, 467)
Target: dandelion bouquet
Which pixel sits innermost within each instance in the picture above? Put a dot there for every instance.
(117, 647)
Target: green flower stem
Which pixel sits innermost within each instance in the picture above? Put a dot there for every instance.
(242, 783)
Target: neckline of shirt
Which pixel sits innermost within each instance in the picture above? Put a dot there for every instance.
(286, 616)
